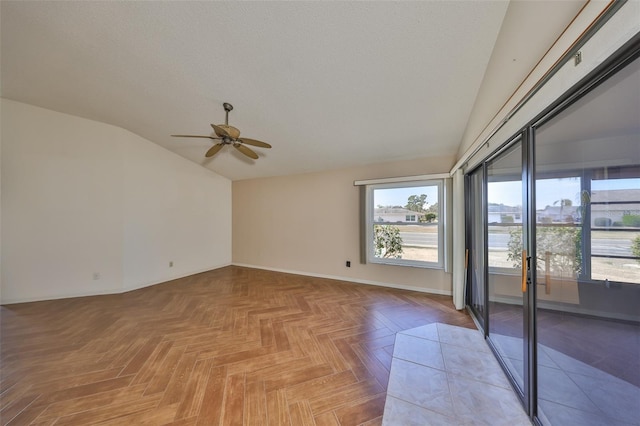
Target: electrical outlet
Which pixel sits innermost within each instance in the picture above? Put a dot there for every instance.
(171, 264)
(96, 276)
(348, 264)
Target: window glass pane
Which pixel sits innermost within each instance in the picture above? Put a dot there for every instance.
(615, 227)
(587, 169)
(505, 245)
(406, 223)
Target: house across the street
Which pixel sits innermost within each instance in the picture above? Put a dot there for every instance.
(396, 214)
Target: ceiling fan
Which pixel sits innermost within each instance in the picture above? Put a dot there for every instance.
(229, 135)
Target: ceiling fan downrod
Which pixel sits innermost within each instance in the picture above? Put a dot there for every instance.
(227, 107)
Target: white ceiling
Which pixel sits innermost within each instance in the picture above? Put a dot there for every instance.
(328, 84)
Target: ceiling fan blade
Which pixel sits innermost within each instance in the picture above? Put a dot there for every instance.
(214, 150)
(220, 131)
(246, 151)
(194, 136)
(255, 143)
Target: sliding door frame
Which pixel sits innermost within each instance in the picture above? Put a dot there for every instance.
(528, 233)
(481, 318)
(623, 57)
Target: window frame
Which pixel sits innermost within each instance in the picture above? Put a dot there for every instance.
(369, 211)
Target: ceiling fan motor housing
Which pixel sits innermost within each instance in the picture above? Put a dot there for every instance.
(233, 132)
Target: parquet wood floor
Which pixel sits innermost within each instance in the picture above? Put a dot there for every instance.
(233, 346)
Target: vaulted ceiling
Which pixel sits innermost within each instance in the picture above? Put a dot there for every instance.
(328, 84)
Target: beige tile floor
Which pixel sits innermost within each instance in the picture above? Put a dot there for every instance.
(572, 392)
(447, 375)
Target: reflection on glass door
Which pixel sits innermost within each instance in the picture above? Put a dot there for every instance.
(505, 246)
(587, 251)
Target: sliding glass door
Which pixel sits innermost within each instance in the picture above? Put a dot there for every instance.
(553, 238)
(505, 244)
(587, 233)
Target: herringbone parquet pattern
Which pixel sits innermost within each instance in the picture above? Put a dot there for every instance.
(234, 346)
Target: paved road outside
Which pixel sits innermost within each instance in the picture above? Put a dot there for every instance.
(499, 241)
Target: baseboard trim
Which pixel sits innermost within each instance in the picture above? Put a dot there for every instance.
(349, 279)
(286, 271)
(118, 290)
(177, 277)
(60, 296)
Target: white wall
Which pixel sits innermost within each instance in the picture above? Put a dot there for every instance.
(174, 210)
(319, 229)
(620, 28)
(528, 30)
(81, 197)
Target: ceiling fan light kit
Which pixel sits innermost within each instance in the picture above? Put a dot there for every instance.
(229, 135)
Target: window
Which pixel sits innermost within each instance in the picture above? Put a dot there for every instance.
(405, 223)
(613, 234)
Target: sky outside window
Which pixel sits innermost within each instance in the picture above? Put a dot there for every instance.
(548, 192)
(399, 196)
